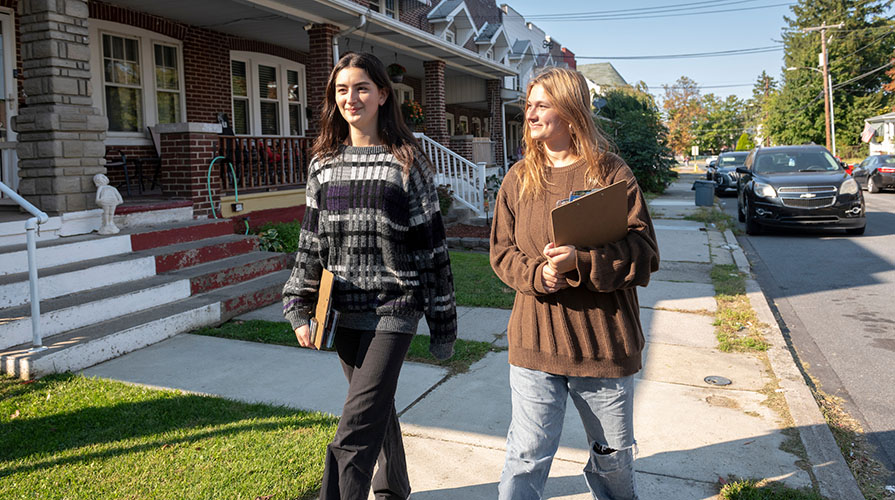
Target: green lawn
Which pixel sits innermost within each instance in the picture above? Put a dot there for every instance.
(66, 436)
(475, 283)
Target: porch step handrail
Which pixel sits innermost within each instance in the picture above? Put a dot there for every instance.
(30, 239)
(466, 179)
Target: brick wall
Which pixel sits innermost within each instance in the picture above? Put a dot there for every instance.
(320, 65)
(436, 127)
(116, 175)
(462, 145)
(206, 75)
(492, 92)
(185, 158)
(414, 13)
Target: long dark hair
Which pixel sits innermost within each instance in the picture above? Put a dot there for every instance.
(396, 136)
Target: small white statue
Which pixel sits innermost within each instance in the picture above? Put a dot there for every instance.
(107, 197)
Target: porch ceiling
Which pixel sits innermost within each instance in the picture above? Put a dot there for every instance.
(281, 22)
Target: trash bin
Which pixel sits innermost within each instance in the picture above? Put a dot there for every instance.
(705, 193)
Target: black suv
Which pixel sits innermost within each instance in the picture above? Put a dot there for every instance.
(798, 186)
(724, 172)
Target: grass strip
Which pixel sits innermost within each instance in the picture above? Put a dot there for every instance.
(719, 219)
(67, 436)
(750, 489)
(736, 325)
(476, 285)
(466, 352)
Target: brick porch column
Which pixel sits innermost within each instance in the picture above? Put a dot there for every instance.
(187, 150)
(496, 110)
(60, 141)
(320, 65)
(436, 126)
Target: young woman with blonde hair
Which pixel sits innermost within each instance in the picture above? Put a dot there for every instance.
(575, 325)
(372, 219)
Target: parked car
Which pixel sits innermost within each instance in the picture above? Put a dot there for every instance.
(710, 163)
(876, 173)
(798, 186)
(725, 171)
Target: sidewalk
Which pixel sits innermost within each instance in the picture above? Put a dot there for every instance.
(689, 433)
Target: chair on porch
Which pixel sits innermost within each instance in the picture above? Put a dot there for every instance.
(122, 164)
(157, 160)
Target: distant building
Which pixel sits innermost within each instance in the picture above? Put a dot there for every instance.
(601, 77)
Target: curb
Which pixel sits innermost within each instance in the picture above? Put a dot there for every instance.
(834, 478)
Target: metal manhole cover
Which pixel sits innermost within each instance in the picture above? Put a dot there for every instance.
(717, 380)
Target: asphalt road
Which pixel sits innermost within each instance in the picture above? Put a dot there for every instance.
(833, 294)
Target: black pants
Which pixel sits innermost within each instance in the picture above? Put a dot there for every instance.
(368, 429)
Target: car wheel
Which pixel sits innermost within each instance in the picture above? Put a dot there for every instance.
(752, 227)
(871, 186)
(740, 216)
(856, 231)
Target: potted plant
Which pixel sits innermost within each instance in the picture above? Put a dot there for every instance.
(396, 72)
(413, 113)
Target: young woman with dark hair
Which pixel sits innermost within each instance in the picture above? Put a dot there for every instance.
(575, 327)
(373, 220)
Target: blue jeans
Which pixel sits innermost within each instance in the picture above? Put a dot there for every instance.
(539, 405)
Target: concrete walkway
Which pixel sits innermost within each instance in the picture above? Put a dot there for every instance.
(689, 433)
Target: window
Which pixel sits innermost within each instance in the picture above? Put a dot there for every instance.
(463, 127)
(240, 89)
(449, 117)
(268, 95)
(122, 83)
(476, 127)
(490, 54)
(450, 36)
(138, 77)
(167, 83)
(403, 93)
(387, 7)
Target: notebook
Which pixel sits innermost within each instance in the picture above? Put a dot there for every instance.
(592, 220)
(323, 324)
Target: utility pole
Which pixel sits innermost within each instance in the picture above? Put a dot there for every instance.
(826, 72)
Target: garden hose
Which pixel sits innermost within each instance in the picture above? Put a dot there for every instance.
(235, 188)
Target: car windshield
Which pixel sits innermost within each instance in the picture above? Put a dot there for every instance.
(795, 161)
(732, 159)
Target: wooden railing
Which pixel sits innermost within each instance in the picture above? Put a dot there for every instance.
(263, 163)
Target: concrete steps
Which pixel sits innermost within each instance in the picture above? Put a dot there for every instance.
(144, 287)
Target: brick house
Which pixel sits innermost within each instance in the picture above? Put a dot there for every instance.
(239, 80)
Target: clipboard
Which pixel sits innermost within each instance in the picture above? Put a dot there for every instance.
(592, 220)
(323, 324)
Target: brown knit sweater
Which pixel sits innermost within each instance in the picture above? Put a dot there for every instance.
(592, 328)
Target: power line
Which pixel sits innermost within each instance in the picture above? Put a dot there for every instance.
(653, 10)
(720, 53)
(652, 16)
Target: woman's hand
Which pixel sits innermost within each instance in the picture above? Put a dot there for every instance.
(553, 281)
(562, 259)
(303, 334)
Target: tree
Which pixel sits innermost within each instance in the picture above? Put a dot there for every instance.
(757, 107)
(796, 112)
(631, 120)
(683, 108)
(722, 121)
(744, 143)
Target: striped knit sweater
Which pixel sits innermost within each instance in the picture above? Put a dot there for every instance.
(381, 234)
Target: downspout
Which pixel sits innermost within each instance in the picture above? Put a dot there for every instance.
(362, 21)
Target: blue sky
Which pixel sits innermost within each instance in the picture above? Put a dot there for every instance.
(672, 35)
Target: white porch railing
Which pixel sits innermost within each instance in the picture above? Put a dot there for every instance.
(30, 227)
(465, 178)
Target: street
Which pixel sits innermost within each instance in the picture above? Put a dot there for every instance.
(832, 294)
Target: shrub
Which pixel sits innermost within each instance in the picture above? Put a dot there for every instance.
(279, 237)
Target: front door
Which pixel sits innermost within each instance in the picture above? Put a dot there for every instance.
(9, 162)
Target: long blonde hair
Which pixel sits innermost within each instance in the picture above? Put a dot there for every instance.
(568, 93)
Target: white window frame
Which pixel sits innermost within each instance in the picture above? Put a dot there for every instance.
(380, 8)
(463, 122)
(450, 36)
(489, 54)
(252, 61)
(403, 92)
(449, 118)
(147, 40)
